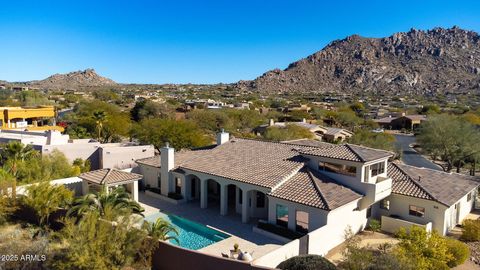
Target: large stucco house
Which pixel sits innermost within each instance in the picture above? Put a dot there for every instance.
(314, 188)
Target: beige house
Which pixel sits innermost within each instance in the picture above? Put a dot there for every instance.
(312, 188)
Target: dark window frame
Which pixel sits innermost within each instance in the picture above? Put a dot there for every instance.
(416, 211)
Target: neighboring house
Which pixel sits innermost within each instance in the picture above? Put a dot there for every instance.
(327, 134)
(408, 122)
(310, 187)
(100, 155)
(31, 118)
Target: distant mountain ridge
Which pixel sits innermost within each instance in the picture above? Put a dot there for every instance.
(416, 62)
(73, 80)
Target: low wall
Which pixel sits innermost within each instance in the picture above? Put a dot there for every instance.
(170, 257)
(275, 257)
(392, 225)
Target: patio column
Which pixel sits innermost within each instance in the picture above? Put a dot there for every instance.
(292, 218)
(84, 187)
(223, 199)
(203, 193)
(245, 206)
(135, 191)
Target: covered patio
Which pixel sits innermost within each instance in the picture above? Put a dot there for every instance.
(111, 178)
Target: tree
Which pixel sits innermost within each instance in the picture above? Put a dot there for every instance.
(307, 262)
(427, 251)
(95, 243)
(289, 132)
(45, 198)
(180, 134)
(161, 230)
(451, 139)
(7, 205)
(101, 120)
(83, 165)
(375, 140)
(99, 117)
(13, 153)
(148, 109)
(109, 205)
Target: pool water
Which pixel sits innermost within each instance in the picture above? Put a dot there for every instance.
(191, 235)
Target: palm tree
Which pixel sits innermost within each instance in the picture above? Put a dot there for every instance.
(13, 153)
(161, 230)
(108, 204)
(99, 117)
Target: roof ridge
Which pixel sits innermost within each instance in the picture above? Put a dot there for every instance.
(472, 178)
(354, 152)
(282, 142)
(317, 188)
(106, 175)
(415, 182)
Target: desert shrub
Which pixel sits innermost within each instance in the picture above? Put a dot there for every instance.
(471, 230)
(426, 251)
(307, 262)
(460, 252)
(374, 225)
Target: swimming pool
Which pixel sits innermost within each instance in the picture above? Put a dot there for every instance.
(191, 235)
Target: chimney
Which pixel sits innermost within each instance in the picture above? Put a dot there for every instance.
(167, 162)
(222, 137)
(271, 122)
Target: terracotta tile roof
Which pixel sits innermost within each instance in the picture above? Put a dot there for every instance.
(180, 158)
(314, 189)
(260, 163)
(110, 176)
(445, 188)
(349, 152)
(307, 142)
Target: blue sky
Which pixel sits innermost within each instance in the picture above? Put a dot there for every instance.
(197, 41)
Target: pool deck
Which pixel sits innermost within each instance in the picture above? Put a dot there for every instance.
(242, 234)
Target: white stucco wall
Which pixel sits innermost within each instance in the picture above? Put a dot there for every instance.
(465, 207)
(121, 157)
(150, 175)
(339, 221)
(316, 217)
(399, 205)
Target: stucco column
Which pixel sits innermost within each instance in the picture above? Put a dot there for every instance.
(203, 193)
(223, 199)
(245, 206)
(84, 187)
(292, 218)
(135, 190)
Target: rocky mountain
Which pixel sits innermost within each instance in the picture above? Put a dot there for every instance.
(415, 62)
(73, 80)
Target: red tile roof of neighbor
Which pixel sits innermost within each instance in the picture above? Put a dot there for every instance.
(110, 176)
(423, 183)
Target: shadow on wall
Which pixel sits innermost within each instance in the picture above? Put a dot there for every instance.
(170, 257)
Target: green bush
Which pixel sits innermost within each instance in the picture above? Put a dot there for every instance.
(460, 252)
(307, 262)
(374, 225)
(471, 230)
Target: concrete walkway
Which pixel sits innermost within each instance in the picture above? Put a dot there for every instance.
(231, 224)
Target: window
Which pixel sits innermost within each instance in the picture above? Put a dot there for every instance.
(366, 175)
(302, 222)
(159, 180)
(416, 211)
(385, 204)
(377, 168)
(369, 212)
(337, 168)
(178, 185)
(240, 196)
(469, 197)
(260, 200)
(282, 215)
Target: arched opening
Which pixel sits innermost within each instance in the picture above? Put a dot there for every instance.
(213, 193)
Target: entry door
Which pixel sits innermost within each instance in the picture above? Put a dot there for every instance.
(455, 215)
(193, 193)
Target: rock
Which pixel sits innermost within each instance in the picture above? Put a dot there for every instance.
(438, 59)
